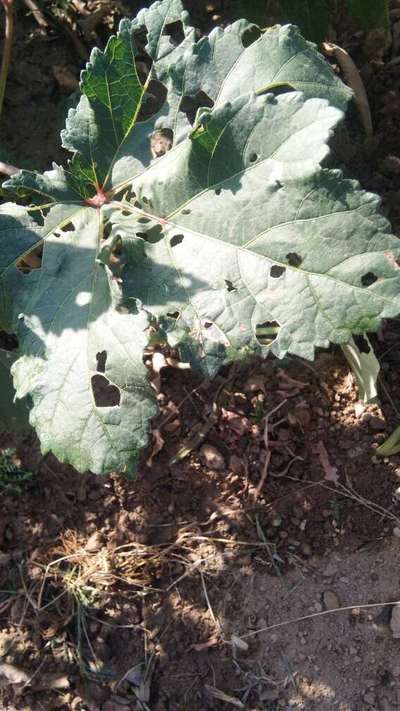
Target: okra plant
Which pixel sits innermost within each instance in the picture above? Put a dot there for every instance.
(194, 205)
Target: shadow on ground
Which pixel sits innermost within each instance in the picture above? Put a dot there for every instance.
(165, 582)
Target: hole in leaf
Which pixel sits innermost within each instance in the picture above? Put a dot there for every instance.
(31, 261)
(114, 261)
(45, 211)
(146, 200)
(107, 230)
(37, 216)
(229, 285)
(126, 194)
(191, 104)
(140, 36)
(250, 35)
(144, 220)
(362, 344)
(176, 239)
(105, 393)
(294, 259)
(161, 142)
(101, 361)
(206, 324)
(154, 234)
(175, 315)
(8, 342)
(186, 211)
(253, 157)
(218, 191)
(69, 227)
(277, 271)
(143, 61)
(368, 279)
(154, 99)
(267, 332)
(125, 213)
(174, 30)
(117, 249)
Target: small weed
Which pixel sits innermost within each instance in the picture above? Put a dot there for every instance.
(259, 412)
(338, 509)
(12, 477)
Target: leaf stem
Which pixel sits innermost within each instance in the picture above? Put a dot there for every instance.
(8, 40)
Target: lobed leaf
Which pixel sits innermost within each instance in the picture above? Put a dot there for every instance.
(227, 231)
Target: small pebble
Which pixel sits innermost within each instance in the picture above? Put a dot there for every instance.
(377, 423)
(331, 569)
(331, 600)
(306, 549)
(211, 457)
(369, 698)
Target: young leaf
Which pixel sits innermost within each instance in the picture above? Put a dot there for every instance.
(13, 413)
(391, 445)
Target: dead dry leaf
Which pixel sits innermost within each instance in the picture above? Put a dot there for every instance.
(52, 681)
(289, 382)
(11, 674)
(158, 444)
(221, 696)
(330, 471)
(239, 644)
(353, 78)
(213, 641)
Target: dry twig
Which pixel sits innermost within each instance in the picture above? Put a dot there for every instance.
(264, 472)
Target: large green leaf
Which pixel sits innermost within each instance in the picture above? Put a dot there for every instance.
(235, 239)
(83, 355)
(304, 250)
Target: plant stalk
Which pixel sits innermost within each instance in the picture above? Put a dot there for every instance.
(8, 40)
